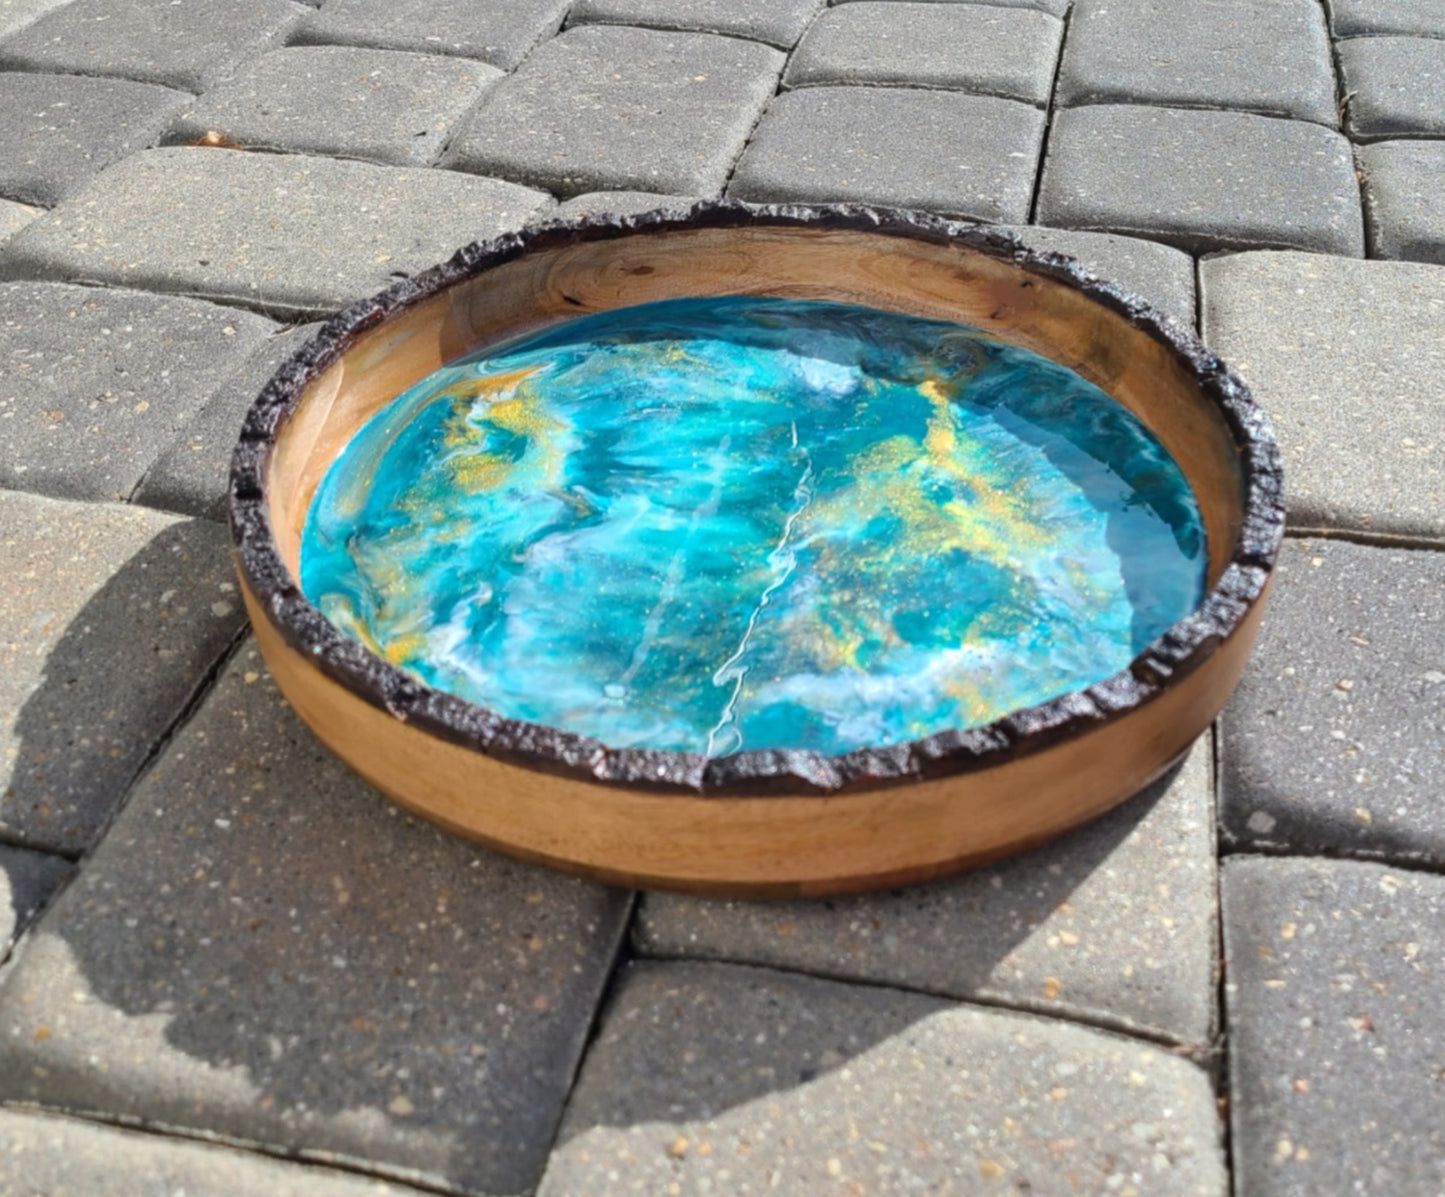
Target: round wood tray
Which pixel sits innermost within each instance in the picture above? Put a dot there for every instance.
(776, 822)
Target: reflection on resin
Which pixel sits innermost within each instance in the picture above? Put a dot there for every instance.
(710, 525)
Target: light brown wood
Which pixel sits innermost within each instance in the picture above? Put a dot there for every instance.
(779, 844)
(795, 845)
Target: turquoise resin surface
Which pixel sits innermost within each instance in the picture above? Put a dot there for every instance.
(711, 525)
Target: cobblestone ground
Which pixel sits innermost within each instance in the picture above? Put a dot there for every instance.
(230, 967)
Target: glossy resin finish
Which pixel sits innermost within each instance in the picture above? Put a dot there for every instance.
(744, 523)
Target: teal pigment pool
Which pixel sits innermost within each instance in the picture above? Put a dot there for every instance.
(710, 525)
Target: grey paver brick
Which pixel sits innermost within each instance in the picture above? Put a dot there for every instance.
(95, 383)
(499, 32)
(777, 22)
(111, 617)
(1114, 922)
(28, 880)
(1265, 56)
(58, 130)
(288, 234)
(265, 949)
(1202, 180)
(45, 1154)
(1160, 274)
(881, 145)
(728, 1079)
(192, 475)
(188, 46)
(1351, 18)
(17, 13)
(1337, 1039)
(624, 203)
(1335, 740)
(609, 108)
(1346, 357)
(14, 217)
(975, 48)
(1396, 86)
(383, 105)
(1403, 181)
(1055, 7)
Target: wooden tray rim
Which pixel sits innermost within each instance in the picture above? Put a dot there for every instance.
(1174, 654)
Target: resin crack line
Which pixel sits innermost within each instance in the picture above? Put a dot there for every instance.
(781, 555)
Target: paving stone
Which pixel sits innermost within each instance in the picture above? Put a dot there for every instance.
(777, 22)
(192, 476)
(622, 203)
(1114, 923)
(1395, 85)
(95, 383)
(383, 105)
(499, 32)
(58, 130)
(1335, 741)
(880, 145)
(110, 618)
(1352, 18)
(290, 235)
(189, 46)
(265, 949)
(1056, 7)
(1265, 56)
(44, 1154)
(17, 13)
(715, 1078)
(14, 217)
(1158, 273)
(1402, 186)
(975, 48)
(607, 108)
(1202, 180)
(1346, 357)
(1337, 1037)
(28, 880)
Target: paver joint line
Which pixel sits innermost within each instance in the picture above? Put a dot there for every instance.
(281, 1167)
(1051, 110)
(1203, 1054)
(1360, 536)
(1185, 106)
(1262, 850)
